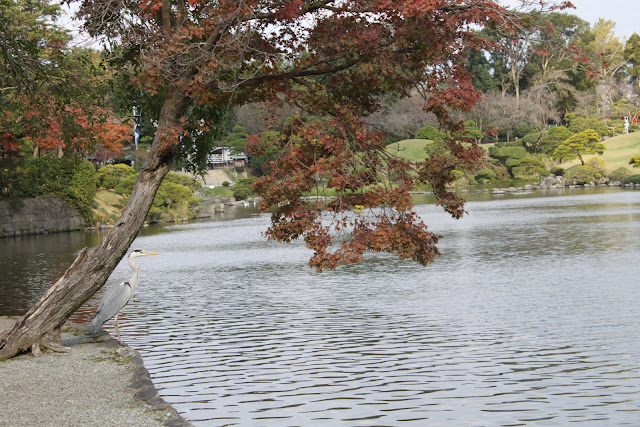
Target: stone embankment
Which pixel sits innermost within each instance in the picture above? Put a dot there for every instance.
(213, 205)
(21, 217)
(548, 182)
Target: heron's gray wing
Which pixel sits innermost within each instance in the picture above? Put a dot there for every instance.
(116, 297)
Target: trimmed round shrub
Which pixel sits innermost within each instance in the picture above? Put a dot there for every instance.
(506, 152)
(485, 174)
(428, 132)
(110, 175)
(528, 167)
(553, 138)
(170, 194)
(184, 180)
(511, 163)
(582, 174)
(243, 189)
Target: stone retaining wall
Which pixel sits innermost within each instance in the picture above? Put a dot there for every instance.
(20, 217)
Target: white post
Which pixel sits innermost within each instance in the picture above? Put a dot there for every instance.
(626, 124)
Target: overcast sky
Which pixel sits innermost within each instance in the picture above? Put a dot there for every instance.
(625, 13)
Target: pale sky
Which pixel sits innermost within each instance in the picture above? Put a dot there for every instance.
(625, 13)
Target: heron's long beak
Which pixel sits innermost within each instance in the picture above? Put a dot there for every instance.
(150, 253)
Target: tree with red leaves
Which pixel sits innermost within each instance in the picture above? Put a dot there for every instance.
(51, 95)
(334, 60)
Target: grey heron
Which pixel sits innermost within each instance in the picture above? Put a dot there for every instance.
(118, 295)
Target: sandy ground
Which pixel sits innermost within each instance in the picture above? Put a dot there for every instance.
(99, 383)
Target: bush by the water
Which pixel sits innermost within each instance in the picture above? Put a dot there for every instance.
(485, 174)
(243, 189)
(173, 199)
(172, 203)
(582, 174)
(619, 174)
(69, 178)
(527, 167)
(510, 154)
(499, 169)
(633, 179)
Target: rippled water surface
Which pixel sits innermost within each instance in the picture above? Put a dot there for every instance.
(530, 317)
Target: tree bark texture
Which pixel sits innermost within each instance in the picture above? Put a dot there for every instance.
(39, 328)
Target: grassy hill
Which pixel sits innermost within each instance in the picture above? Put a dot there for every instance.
(410, 149)
(620, 149)
(107, 206)
(414, 149)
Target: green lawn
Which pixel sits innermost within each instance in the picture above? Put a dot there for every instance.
(410, 149)
(620, 149)
(413, 149)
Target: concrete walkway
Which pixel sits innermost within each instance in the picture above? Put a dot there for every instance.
(99, 383)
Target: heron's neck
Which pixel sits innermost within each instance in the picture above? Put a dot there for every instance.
(133, 282)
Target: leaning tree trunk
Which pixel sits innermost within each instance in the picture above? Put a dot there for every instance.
(40, 327)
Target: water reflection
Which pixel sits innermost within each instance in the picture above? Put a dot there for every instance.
(529, 317)
(30, 264)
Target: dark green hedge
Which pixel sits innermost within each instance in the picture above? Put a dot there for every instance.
(633, 179)
(70, 178)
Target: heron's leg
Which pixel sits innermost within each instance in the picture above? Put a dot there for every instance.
(115, 322)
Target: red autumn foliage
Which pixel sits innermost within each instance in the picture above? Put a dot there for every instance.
(86, 129)
(335, 61)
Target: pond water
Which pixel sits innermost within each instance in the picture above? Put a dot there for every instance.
(530, 317)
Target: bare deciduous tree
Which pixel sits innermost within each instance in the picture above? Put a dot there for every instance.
(402, 119)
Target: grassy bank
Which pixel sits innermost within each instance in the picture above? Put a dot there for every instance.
(410, 149)
(107, 206)
(620, 149)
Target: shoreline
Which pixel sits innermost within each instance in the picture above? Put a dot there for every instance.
(99, 383)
